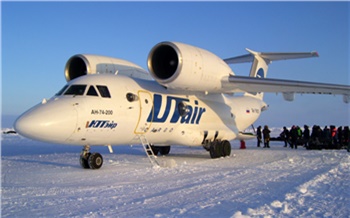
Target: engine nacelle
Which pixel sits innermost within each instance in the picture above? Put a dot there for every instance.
(81, 64)
(185, 67)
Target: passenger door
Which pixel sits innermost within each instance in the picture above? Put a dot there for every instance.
(146, 111)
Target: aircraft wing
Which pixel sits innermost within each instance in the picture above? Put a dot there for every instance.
(257, 85)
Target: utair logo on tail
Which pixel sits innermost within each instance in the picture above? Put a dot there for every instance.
(260, 73)
(187, 113)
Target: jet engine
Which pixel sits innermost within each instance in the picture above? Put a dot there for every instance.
(185, 67)
(82, 64)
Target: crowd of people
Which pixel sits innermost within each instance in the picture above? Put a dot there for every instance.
(263, 135)
(327, 138)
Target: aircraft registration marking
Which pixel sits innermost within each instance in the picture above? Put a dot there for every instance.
(101, 112)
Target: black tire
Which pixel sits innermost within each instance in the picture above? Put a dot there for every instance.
(212, 152)
(84, 163)
(215, 150)
(95, 161)
(226, 148)
(164, 150)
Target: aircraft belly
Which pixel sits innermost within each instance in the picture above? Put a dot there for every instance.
(173, 135)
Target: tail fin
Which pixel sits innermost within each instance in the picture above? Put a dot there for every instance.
(260, 65)
(259, 70)
(261, 60)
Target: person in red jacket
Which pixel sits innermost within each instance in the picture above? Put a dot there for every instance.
(242, 145)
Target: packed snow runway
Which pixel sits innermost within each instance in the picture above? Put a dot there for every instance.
(45, 180)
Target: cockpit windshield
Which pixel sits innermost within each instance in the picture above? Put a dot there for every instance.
(104, 91)
(62, 90)
(98, 90)
(75, 90)
(92, 91)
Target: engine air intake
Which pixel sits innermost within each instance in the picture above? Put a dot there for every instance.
(76, 66)
(163, 61)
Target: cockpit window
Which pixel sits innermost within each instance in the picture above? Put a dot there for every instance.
(92, 91)
(104, 92)
(76, 90)
(62, 90)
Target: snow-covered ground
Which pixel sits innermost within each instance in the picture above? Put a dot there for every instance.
(45, 180)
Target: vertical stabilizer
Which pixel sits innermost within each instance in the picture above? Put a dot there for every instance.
(260, 65)
(259, 70)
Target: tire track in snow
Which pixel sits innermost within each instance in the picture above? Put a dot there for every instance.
(305, 200)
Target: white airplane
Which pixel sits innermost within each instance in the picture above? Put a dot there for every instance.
(187, 99)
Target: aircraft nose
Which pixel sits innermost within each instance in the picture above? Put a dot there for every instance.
(49, 122)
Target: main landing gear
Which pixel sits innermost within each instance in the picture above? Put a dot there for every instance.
(90, 160)
(218, 148)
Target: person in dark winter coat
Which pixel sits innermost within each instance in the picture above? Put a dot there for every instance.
(294, 137)
(306, 136)
(266, 134)
(346, 134)
(258, 135)
(340, 135)
(326, 135)
(285, 136)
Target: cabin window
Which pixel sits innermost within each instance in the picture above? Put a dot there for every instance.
(75, 90)
(104, 92)
(92, 91)
(62, 90)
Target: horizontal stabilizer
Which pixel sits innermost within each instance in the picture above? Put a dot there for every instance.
(270, 56)
(245, 136)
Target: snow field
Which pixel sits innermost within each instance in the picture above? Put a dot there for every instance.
(45, 180)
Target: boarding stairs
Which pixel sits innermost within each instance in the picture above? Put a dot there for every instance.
(149, 152)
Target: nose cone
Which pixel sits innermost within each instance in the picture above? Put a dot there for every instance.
(53, 121)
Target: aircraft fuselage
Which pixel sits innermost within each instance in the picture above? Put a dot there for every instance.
(88, 116)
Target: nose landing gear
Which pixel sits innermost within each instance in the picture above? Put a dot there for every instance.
(90, 160)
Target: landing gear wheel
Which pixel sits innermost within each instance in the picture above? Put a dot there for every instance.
(212, 152)
(164, 150)
(226, 148)
(220, 149)
(84, 161)
(84, 157)
(95, 161)
(215, 150)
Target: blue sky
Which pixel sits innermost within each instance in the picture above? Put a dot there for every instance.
(39, 37)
